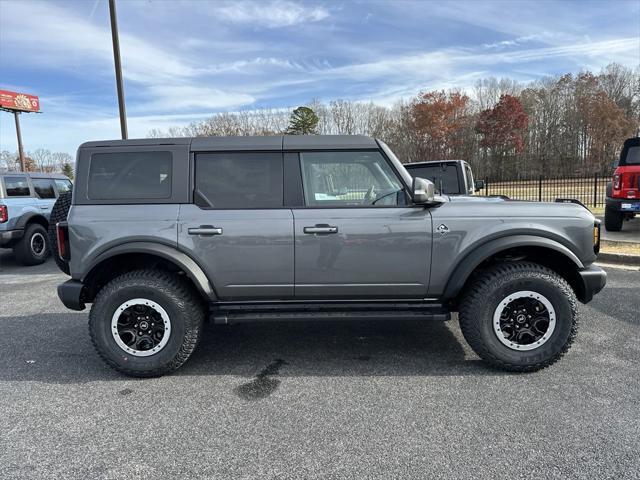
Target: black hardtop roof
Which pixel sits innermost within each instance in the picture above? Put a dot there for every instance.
(34, 175)
(275, 142)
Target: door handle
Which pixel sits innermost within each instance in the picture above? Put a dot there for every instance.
(321, 229)
(206, 230)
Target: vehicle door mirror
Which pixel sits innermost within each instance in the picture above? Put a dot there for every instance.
(479, 185)
(423, 191)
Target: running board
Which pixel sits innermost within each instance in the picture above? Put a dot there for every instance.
(242, 313)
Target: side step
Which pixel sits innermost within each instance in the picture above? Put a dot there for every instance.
(261, 312)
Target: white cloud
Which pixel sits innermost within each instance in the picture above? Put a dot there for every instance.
(50, 36)
(271, 14)
(185, 97)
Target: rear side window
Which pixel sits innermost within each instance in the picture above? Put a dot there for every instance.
(445, 177)
(633, 156)
(16, 186)
(130, 175)
(239, 180)
(64, 186)
(43, 187)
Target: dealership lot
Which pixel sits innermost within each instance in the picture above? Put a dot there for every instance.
(315, 400)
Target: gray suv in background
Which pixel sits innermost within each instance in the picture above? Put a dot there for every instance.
(164, 233)
(26, 200)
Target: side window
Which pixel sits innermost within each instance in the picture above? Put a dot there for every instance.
(130, 175)
(239, 180)
(43, 187)
(349, 179)
(16, 186)
(63, 186)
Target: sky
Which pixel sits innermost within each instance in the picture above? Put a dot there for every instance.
(186, 60)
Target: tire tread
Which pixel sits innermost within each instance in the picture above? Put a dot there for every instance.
(476, 296)
(169, 284)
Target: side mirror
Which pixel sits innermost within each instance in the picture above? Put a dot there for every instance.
(479, 185)
(424, 191)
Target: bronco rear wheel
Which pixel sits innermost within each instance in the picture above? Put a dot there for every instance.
(519, 316)
(146, 323)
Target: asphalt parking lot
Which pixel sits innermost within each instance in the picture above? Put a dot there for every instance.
(315, 400)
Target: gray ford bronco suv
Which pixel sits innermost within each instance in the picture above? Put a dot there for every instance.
(165, 233)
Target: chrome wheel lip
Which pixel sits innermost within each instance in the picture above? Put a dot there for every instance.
(43, 245)
(510, 298)
(148, 303)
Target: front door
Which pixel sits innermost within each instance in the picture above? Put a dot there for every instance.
(237, 228)
(357, 238)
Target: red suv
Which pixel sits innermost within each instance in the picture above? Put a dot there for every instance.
(623, 194)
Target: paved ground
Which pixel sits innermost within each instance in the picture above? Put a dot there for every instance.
(315, 400)
(630, 231)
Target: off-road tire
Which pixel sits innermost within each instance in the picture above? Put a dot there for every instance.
(59, 213)
(183, 305)
(490, 287)
(23, 249)
(613, 220)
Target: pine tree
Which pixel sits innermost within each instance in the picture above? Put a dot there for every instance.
(303, 121)
(67, 170)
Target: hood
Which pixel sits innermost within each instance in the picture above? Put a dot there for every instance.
(497, 206)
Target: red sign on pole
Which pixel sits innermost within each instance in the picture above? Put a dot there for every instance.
(21, 102)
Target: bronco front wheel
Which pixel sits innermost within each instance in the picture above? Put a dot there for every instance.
(146, 323)
(519, 316)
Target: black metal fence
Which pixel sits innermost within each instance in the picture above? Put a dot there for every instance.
(589, 190)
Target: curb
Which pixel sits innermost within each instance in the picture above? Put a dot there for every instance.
(618, 258)
(618, 243)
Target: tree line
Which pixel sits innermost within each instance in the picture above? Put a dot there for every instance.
(40, 160)
(556, 126)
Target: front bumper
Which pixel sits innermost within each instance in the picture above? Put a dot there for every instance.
(625, 205)
(70, 293)
(9, 237)
(593, 279)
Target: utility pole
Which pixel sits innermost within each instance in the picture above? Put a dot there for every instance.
(19, 135)
(118, 65)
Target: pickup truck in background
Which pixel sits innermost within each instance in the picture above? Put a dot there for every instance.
(451, 177)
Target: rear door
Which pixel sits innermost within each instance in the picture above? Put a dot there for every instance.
(357, 237)
(45, 193)
(238, 229)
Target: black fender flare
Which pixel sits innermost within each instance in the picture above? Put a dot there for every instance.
(173, 255)
(28, 217)
(470, 262)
